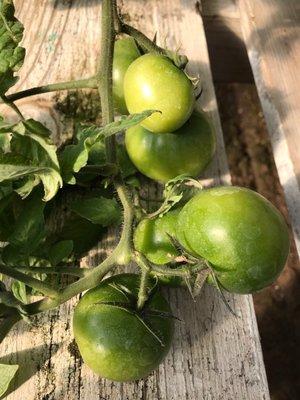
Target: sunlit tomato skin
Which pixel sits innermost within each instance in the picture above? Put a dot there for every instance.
(164, 156)
(239, 232)
(113, 341)
(151, 238)
(153, 82)
(125, 52)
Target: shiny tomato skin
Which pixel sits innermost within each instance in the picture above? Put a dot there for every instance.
(151, 238)
(164, 156)
(153, 82)
(125, 52)
(241, 234)
(113, 341)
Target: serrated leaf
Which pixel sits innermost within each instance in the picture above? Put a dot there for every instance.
(7, 372)
(11, 54)
(99, 210)
(75, 157)
(32, 142)
(60, 250)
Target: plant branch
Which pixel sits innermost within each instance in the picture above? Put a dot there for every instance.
(143, 293)
(10, 103)
(104, 75)
(28, 280)
(149, 46)
(74, 271)
(89, 83)
(92, 278)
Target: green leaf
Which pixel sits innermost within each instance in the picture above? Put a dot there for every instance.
(11, 54)
(60, 251)
(32, 153)
(19, 291)
(75, 157)
(99, 210)
(82, 232)
(7, 372)
(29, 229)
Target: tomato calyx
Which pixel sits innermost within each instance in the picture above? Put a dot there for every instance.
(176, 191)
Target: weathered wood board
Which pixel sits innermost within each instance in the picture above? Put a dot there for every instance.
(272, 36)
(214, 356)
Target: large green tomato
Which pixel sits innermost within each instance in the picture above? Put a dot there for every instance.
(153, 82)
(115, 342)
(151, 238)
(164, 156)
(125, 52)
(239, 232)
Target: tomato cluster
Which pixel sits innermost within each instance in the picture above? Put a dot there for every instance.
(239, 235)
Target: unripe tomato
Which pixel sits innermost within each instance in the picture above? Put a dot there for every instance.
(151, 238)
(125, 52)
(164, 156)
(239, 232)
(114, 341)
(153, 82)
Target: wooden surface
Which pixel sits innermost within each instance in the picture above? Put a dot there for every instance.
(227, 52)
(272, 35)
(214, 356)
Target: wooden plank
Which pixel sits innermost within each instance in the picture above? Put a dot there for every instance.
(227, 52)
(271, 31)
(221, 8)
(214, 356)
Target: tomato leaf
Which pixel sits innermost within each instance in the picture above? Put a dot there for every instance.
(11, 54)
(82, 232)
(7, 372)
(19, 291)
(75, 156)
(60, 250)
(99, 210)
(29, 229)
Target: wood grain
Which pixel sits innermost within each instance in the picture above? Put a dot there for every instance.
(271, 31)
(214, 356)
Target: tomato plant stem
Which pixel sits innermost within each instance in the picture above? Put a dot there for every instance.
(87, 282)
(74, 271)
(30, 281)
(11, 104)
(69, 85)
(142, 294)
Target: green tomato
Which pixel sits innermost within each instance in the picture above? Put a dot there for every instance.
(164, 156)
(239, 232)
(125, 52)
(151, 239)
(114, 341)
(153, 82)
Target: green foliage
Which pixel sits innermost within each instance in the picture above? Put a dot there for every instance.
(98, 210)
(11, 54)
(7, 372)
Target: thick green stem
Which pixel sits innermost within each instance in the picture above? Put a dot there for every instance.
(89, 83)
(104, 76)
(89, 281)
(74, 271)
(11, 104)
(143, 290)
(30, 281)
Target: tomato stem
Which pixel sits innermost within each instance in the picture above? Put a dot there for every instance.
(30, 281)
(143, 292)
(89, 83)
